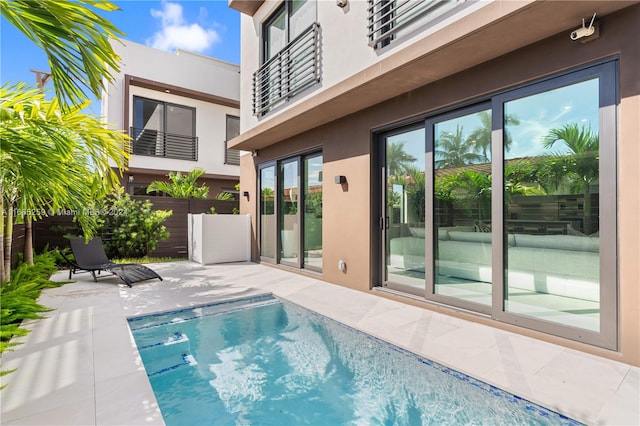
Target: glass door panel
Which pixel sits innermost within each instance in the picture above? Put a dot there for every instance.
(404, 205)
(552, 219)
(312, 240)
(462, 207)
(267, 213)
(180, 120)
(289, 218)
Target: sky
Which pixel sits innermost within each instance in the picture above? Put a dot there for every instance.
(207, 27)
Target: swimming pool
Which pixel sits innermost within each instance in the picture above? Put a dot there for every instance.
(266, 361)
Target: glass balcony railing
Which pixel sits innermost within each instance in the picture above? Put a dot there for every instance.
(154, 143)
(390, 19)
(293, 69)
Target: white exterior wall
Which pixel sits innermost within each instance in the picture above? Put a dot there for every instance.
(344, 47)
(186, 70)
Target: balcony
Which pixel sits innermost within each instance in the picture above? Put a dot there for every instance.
(389, 19)
(292, 70)
(154, 143)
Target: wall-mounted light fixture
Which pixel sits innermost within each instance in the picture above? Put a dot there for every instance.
(341, 3)
(254, 153)
(130, 178)
(340, 179)
(245, 194)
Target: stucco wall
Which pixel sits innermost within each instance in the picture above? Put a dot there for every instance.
(185, 70)
(347, 149)
(344, 49)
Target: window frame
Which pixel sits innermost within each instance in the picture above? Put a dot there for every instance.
(607, 71)
(228, 138)
(165, 113)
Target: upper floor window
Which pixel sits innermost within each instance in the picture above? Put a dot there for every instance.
(162, 129)
(291, 19)
(390, 19)
(290, 55)
(232, 156)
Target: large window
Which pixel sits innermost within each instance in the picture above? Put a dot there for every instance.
(291, 212)
(162, 129)
(290, 50)
(513, 224)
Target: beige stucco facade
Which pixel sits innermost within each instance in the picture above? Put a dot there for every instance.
(340, 120)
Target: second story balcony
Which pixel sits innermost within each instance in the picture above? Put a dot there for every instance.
(292, 70)
(389, 19)
(155, 143)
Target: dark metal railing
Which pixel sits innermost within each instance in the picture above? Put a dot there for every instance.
(231, 156)
(155, 143)
(388, 17)
(293, 69)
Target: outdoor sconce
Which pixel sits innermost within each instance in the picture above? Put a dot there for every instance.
(341, 3)
(341, 179)
(245, 194)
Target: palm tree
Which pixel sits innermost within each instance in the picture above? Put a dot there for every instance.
(581, 163)
(453, 150)
(482, 135)
(75, 40)
(52, 158)
(181, 186)
(398, 160)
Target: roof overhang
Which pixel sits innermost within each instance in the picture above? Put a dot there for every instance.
(248, 7)
(441, 54)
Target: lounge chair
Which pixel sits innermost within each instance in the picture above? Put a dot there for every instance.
(90, 257)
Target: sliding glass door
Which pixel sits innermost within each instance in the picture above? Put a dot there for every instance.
(291, 212)
(459, 153)
(517, 195)
(404, 218)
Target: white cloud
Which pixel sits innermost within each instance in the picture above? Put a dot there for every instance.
(177, 33)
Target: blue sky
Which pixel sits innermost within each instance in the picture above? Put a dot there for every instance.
(207, 27)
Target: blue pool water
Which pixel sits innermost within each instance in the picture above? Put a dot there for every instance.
(262, 361)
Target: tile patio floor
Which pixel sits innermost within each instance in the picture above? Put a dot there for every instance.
(80, 366)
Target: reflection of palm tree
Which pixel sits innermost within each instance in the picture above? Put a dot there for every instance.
(582, 165)
(453, 150)
(398, 160)
(482, 135)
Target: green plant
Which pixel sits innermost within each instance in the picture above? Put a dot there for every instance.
(581, 163)
(51, 158)
(19, 297)
(225, 196)
(75, 40)
(212, 210)
(131, 228)
(181, 186)
(235, 210)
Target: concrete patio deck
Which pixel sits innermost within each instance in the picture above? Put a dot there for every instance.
(81, 367)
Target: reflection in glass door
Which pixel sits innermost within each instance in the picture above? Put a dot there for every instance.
(462, 206)
(289, 218)
(267, 213)
(552, 212)
(313, 212)
(404, 206)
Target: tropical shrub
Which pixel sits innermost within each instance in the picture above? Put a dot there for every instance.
(181, 186)
(130, 228)
(19, 297)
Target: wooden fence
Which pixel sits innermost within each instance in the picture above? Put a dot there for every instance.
(51, 230)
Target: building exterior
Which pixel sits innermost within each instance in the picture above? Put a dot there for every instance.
(180, 109)
(478, 158)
